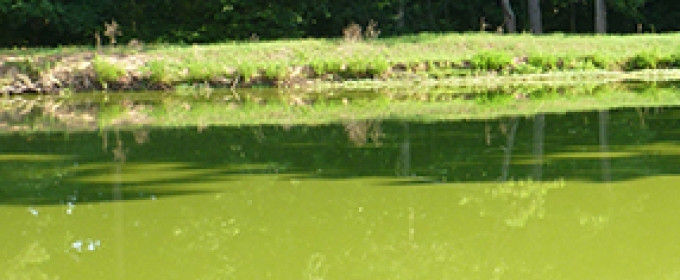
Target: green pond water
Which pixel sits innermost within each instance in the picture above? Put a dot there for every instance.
(584, 195)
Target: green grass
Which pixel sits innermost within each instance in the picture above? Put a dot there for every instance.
(106, 71)
(644, 60)
(159, 72)
(425, 55)
(493, 60)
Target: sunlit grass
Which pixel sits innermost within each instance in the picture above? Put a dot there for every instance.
(427, 55)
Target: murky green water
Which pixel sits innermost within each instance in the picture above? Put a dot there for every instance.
(588, 195)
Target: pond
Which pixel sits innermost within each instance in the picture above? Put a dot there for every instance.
(578, 195)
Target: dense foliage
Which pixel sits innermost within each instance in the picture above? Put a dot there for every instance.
(54, 22)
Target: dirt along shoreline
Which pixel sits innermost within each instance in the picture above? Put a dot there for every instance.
(450, 60)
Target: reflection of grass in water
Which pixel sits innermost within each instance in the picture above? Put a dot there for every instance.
(108, 113)
(328, 111)
(201, 108)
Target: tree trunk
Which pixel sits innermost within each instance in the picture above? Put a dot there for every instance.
(572, 17)
(446, 12)
(535, 16)
(430, 15)
(600, 17)
(401, 15)
(509, 16)
(119, 158)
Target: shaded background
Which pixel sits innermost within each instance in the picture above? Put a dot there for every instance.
(65, 22)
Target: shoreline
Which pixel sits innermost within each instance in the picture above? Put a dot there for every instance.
(86, 80)
(453, 60)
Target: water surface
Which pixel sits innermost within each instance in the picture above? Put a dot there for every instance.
(585, 195)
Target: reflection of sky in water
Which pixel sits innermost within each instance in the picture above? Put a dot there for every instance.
(33, 211)
(85, 245)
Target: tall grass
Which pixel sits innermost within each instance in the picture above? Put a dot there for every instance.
(429, 55)
(106, 71)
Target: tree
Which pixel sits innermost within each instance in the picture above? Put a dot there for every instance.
(535, 16)
(509, 17)
(401, 15)
(600, 17)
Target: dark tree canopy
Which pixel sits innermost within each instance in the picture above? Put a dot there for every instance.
(64, 22)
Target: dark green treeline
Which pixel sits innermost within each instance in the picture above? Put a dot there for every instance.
(65, 22)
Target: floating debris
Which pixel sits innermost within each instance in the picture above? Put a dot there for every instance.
(88, 245)
(33, 211)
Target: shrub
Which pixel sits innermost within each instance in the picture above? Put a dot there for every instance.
(644, 60)
(198, 72)
(275, 72)
(672, 60)
(582, 65)
(526, 69)
(378, 66)
(491, 60)
(159, 71)
(247, 71)
(106, 71)
(600, 61)
(545, 62)
(355, 68)
(30, 68)
(328, 67)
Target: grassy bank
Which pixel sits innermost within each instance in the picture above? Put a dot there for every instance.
(301, 63)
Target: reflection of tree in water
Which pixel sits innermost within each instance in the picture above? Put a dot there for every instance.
(446, 151)
(509, 129)
(509, 146)
(119, 157)
(404, 163)
(258, 132)
(360, 132)
(604, 145)
(537, 146)
(119, 152)
(141, 136)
